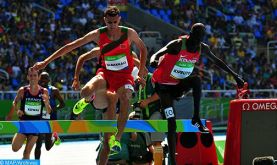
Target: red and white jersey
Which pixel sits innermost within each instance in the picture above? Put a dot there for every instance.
(172, 67)
(118, 59)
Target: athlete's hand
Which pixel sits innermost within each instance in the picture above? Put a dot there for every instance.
(45, 99)
(243, 93)
(141, 81)
(39, 65)
(76, 84)
(144, 103)
(20, 113)
(240, 81)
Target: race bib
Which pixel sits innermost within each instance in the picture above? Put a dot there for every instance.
(32, 108)
(182, 69)
(169, 113)
(115, 63)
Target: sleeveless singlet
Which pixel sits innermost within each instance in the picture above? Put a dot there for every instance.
(32, 105)
(118, 59)
(173, 68)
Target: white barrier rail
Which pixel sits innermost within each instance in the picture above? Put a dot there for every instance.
(255, 93)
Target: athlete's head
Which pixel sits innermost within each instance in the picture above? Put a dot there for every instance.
(32, 76)
(197, 32)
(44, 79)
(112, 17)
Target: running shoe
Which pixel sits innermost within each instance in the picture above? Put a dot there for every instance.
(115, 146)
(57, 139)
(197, 123)
(79, 106)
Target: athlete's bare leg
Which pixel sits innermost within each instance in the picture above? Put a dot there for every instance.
(124, 95)
(18, 141)
(100, 101)
(31, 140)
(110, 114)
(96, 86)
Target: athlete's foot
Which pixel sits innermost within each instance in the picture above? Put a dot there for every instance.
(197, 123)
(79, 106)
(57, 139)
(115, 146)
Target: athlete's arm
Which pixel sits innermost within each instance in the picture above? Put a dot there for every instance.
(10, 114)
(135, 58)
(144, 103)
(207, 51)
(133, 36)
(137, 62)
(91, 36)
(45, 98)
(57, 96)
(95, 52)
(173, 47)
(18, 98)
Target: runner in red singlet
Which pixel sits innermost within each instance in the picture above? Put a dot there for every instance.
(100, 101)
(173, 76)
(118, 40)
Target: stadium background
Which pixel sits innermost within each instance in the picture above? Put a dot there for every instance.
(242, 33)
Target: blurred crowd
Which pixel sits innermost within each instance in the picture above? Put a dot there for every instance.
(237, 31)
(30, 32)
